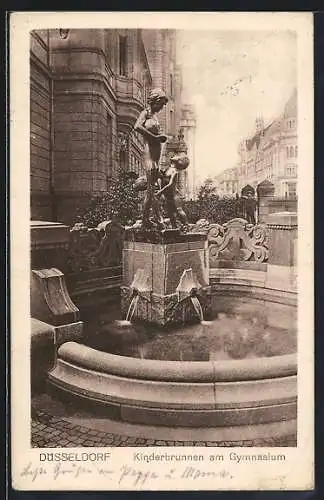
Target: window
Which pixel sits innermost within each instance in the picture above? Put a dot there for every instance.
(290, 170)
(172, 123)
(296, 150)
(291, 189)
(291, 151)
(122, 55)
(123, 159)
(171, 85)
(287, 151)
(107, 145)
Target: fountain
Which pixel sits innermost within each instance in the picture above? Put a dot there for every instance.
(165, 364)
(189, 351)
(130, 312)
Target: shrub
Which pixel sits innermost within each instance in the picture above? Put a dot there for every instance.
(120, 201)
(214, 209)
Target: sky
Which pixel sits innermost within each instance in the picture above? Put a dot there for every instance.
(231, 77)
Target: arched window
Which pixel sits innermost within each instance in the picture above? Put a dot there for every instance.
(291, 151)
(296, 150)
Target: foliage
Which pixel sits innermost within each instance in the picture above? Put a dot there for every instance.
(214, 209)
(124, 203)
(120, 201)
(207, 189)
(210, 206)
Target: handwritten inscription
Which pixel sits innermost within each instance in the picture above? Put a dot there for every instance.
(54, 466)
(125, 475)
(234, 89)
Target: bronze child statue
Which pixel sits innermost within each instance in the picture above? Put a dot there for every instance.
(147, 124)
(170, 192)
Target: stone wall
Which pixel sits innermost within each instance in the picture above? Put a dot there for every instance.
(277, 204)
(40, 127)
(91, 258)
(268, 203)
(80, 104)
(84, 119)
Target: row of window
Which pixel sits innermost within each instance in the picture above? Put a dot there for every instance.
(290, 170)
(291, 123)
(122, 65)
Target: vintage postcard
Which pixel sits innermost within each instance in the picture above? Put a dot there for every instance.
(162, 251)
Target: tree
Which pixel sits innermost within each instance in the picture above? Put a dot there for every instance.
(207, 189)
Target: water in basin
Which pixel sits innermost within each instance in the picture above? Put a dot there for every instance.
(236, 329)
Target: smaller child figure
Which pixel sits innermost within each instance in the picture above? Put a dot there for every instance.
(170, 192)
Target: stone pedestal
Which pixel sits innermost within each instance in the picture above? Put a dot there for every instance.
(282, 260)
(50, 302)
(49, 243)
(163, 270)
(265, 191)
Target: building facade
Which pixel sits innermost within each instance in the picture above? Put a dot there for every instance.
(227, 182)
(87, 88)
(271, 153)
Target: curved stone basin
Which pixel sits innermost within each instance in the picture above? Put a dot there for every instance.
(216, 392)
(178, 371)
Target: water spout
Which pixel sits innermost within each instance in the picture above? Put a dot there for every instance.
(141, 352)
(197, 306)
(132, 308)
(188, 285)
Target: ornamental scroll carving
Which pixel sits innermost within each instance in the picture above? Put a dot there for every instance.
(235, 240)
(94, 248)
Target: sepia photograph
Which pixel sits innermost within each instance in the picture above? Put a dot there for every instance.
(164, 226)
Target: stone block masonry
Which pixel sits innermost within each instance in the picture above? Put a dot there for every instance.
(155, 269)
(40, 128)
(282, 261)
(85, 128)
(80, 101)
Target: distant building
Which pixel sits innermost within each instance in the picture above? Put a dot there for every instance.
(227, 182)
(160, 47)
(87, 87)
(271, 153)
(188, 126)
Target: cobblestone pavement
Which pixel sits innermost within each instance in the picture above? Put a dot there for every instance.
(50, 431)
